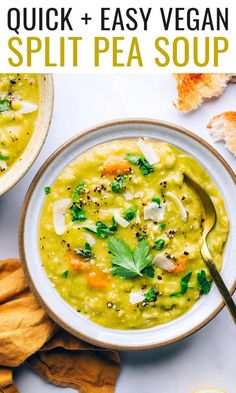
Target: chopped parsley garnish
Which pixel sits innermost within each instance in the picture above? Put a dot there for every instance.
(78, 190)
(203, 284)
(130, 213)
(5, 105)
(157, 200)
(159, 244)
(162, 226)
(85, 252)
(141, 162)
(47, 190)
(149, 271)
(65, 274)
(78, 215)
(118, 184)
(102, 230)
(151, 295)
(4, 158)
(128, 264)
(183, 285)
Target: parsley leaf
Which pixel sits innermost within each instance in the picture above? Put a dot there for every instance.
(159, 244)
(4, 158)
(78, 214)
(130, 213)
(183, 285)
(184, 282)
(149, 271)
(157, 200)
(132, 158)
(47, 190)
(65, 274)
(144, 166)
(162, 226)
(102, 230)
(203, 284)
(141, 255)
(85, 252)
(5, 105)
(78, 190)
(151, 295)
(128, 264)
(122, 259)
(118, 184)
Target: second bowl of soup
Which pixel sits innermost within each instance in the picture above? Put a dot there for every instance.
(26, 102)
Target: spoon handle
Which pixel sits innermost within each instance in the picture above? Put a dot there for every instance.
(222, 287)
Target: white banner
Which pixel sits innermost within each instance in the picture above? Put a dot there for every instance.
(122, 36)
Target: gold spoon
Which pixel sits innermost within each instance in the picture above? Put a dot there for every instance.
(209, 223)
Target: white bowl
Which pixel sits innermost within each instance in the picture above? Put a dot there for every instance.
(202, 312)
(29, 155)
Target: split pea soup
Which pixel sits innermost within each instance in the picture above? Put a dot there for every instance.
(19, 101)
(120, 234)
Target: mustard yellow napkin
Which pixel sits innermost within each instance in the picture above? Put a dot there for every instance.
(6, 381)
(67, 361)
(26, 332)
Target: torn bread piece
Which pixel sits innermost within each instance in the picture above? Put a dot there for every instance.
(223, 128)
(194, 89)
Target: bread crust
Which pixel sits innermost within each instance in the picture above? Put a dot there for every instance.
(194, 89)
(233, 78)
(222, 127)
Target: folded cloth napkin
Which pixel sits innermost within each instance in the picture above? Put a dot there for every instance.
(6, 381)
(28, 335)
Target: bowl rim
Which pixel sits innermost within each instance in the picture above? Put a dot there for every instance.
(21, 232)
(49, 88)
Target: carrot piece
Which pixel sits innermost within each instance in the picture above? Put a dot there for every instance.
(116, 167)
(77, 262)
(97, 279)
(180, 266)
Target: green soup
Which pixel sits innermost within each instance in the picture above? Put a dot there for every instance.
(120, 234)
(19, 100)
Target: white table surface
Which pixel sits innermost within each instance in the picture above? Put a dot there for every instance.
(206, 359)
